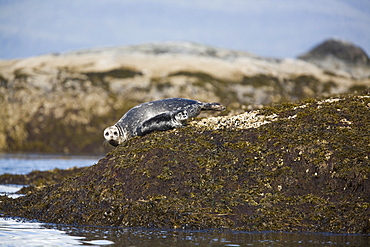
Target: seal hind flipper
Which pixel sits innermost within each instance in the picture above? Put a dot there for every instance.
(213, 107)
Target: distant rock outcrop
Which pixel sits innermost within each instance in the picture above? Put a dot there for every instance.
(62, 103)
(334, 54)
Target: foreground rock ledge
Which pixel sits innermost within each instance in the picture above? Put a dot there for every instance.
(304, 168)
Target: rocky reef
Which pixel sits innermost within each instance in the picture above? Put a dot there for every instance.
(289, 166)
(60, 103)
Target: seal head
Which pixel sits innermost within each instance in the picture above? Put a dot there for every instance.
(114, 135)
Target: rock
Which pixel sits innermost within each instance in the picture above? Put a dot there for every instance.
(286, 167)
(334, 54)
(340, 49)
(40, 178)
(61, 103)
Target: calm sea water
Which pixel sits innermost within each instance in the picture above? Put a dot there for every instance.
(26, 163)
(19, 232)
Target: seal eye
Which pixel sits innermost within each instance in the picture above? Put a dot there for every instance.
(106, 134)
(115, 133)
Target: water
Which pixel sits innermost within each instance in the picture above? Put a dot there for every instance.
(18, 232)
(26, 163)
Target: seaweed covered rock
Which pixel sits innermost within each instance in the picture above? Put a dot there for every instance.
(37, 179)
(291, 167)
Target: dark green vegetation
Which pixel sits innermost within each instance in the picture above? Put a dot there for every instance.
(307, 171)
(37, 179)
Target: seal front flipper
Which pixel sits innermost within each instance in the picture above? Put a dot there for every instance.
(162, 122)
(181, 116)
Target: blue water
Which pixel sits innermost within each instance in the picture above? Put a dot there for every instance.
(19, 232)
(26, 163)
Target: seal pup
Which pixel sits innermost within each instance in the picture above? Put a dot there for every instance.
(159, 115)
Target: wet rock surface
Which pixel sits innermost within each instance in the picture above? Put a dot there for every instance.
(290, 167)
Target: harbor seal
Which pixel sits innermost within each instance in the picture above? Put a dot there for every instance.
(159, 115)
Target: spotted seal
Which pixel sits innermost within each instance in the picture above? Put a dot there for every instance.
(159, 115)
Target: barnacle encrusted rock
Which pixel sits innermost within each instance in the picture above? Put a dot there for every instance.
(251, 119)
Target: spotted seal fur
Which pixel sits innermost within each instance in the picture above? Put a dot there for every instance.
(159, 115)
